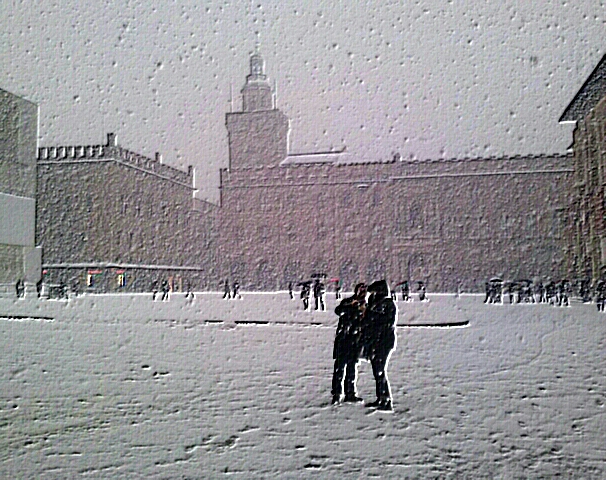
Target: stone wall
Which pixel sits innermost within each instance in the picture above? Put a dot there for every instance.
(590, 178)
(451, 223)
(257, 138)
(105, 207)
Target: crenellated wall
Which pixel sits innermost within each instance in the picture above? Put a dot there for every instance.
(112, 152)
(103, 204)
(452, 223)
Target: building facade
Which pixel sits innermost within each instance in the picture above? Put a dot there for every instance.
(587, 111)
(19, 257)
(450, 223)
(112, 220)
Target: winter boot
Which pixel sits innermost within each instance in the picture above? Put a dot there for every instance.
(352, 398)
(385, 406)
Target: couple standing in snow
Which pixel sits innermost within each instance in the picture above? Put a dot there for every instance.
(367, 330)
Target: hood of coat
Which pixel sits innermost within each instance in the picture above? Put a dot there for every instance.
(380, 289)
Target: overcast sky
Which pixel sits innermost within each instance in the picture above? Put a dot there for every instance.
(428, 79)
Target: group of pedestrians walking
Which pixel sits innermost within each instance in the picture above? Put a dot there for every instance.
(164, 288)
(319, 293)
(366, 331)
(553, 293)
(233, 291)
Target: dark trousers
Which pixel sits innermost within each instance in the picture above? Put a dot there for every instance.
(379, 365)
(344, 368)
(320, 303)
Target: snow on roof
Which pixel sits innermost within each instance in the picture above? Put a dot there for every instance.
(330, 156)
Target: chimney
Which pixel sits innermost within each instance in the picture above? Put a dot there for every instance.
(112, 141)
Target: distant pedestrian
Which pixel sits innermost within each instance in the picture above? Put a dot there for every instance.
(600, 299)
(188, 291)
(405, 291)
(319, 292)
(165, 290)
(550, 292)
(154, 289)
(338, 290)
(226, 290)
(563, 293)
(305, 293)
(290, 293)
(423, 292)
(39, 287)
(236, 290)
(20, 288)
(539, 292)
(487, 291)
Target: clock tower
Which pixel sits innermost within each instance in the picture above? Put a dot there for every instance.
(258, 135)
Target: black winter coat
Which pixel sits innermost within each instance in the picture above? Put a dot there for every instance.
(347, 339)
(379, 328)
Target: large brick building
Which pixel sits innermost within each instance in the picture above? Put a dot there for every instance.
(588, 111)
(452, 223)
(110, 219)
(19, 257)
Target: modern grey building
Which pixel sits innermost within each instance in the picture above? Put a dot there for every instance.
(19, 257)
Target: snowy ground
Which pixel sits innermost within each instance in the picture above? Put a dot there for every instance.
(120, 387)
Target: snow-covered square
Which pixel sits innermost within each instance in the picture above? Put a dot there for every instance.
(122, 387)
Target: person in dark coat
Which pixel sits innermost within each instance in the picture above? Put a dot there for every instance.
(600, 298)
(165, 290)
(40, 286)
(188, 290)
(405, 291)
(305, 291)
(226, 290)
(319, 291)
(423, 292)
(379, 339)
(236, 290)
(154, 289)
(347, 347)
(20, 288)
(488, 292)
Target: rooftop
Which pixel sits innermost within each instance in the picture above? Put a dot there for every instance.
(592, 91)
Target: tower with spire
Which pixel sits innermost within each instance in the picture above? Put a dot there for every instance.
(258, 135)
